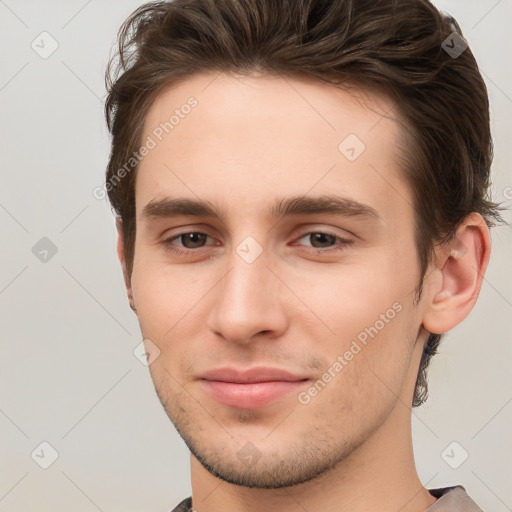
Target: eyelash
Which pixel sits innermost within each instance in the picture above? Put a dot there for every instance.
(340, 246)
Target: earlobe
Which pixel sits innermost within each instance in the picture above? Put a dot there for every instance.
(122, 260)
(461, 263)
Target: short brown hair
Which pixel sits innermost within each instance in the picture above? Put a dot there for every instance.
(394, 46)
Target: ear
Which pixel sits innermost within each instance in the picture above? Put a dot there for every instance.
(122, 260)
(458, 276)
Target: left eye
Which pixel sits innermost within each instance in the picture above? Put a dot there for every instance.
(321, 240)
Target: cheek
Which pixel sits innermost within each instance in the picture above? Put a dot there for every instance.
(172, 303)
(366, 369)
(349, 299)
(162, 296)
(165, 301)
(371, 318)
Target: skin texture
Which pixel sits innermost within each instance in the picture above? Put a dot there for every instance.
(299, 305)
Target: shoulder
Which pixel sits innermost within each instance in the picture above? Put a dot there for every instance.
(184, 506)
(452, 499)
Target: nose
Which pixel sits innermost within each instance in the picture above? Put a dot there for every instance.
(249, 302)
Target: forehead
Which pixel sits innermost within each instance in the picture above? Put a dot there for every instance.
(270, 102)
(247, 140)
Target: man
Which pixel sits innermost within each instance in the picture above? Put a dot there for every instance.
(301, 191)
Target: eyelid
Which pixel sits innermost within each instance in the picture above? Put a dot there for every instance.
(344, 234)
(177, 231)
(302, 232)
(323, 232)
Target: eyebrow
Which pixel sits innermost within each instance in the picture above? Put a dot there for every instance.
(299, 205)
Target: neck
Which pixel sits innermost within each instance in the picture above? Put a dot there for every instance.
(378, 475)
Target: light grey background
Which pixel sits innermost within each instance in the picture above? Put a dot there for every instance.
(68, 375)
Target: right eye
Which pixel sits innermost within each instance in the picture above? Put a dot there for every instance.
(187, 242)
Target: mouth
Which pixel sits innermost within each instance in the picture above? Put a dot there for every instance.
(250, 389)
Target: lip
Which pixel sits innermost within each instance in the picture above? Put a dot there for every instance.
(252, 388)
(251, 375)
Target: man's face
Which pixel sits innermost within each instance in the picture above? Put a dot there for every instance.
(328, 296)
